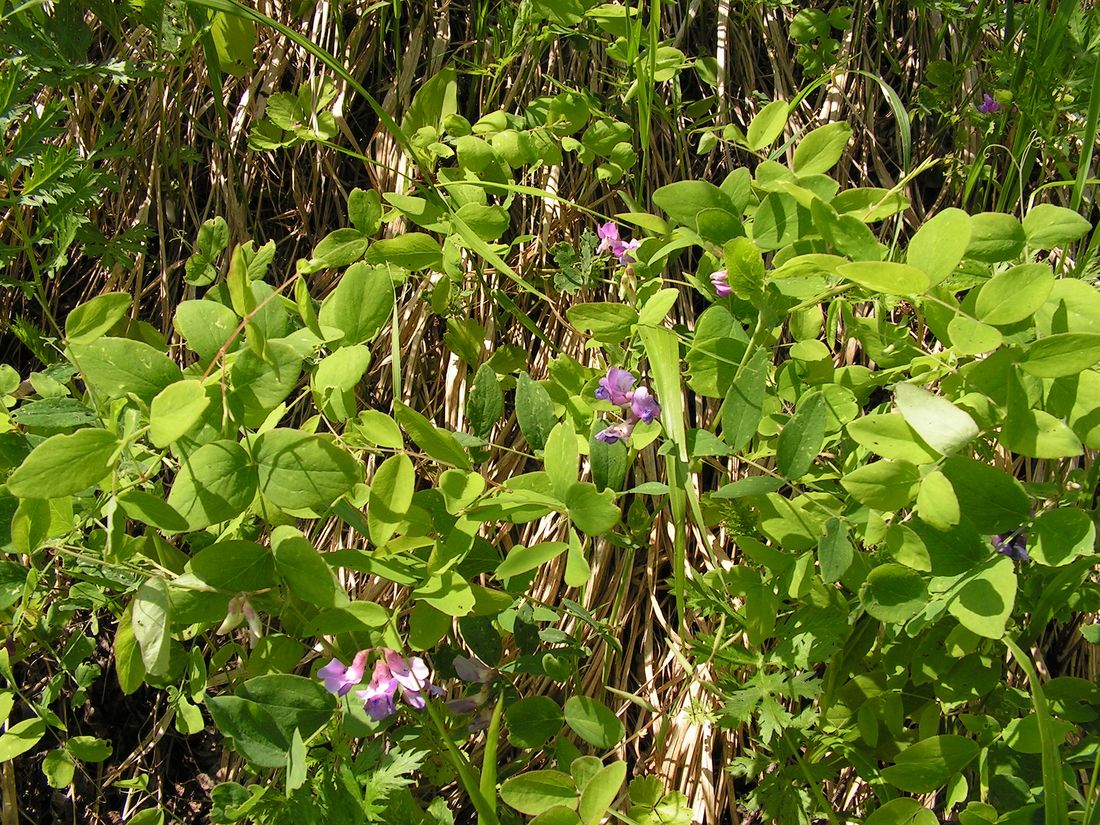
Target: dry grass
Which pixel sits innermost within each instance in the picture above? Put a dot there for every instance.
(187, 166)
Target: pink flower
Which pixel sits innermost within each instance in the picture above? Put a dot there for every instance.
(609, 238)
(339, 679)
(610, 242)
(721, 286)
(616, 387)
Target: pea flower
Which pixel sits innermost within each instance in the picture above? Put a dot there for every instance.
(644, 405)
(616, 387)
(638, 404)
(610, 242)
(721, 285)
(1015, 547)
(989, 106)
(390, 672)
(339, 679)
(616, 432)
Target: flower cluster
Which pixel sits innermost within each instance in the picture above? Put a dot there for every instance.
(610, 242)
(721, 285)
(638, 404)
(390, 672)
(989, 106)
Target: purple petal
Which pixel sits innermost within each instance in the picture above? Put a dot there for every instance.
(721, 285)
(334, 677)
(609, 236)
(644, 405)
(469, 670)
(616, 432)
(615, 387)
(623, 251)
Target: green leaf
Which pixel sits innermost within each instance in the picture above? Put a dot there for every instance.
(94, 318)
(884, 485)
(940, 423)
(234, 566)
(234, 39)
(985, 602)
(53, 414)
(298, 471)
(608, 463)
(995, 237)
(939, 245)
(379, 429)
(438, 443)
(834, 551)
(888, 435)
(893, 593)
(65, 464)
(1047, 226)
(533, 792)
(127, 656)
(460, 489)
(1014, 295)
(412, 251)
(608, 323)
(702, 207)
(903, 811)
(1060, 355)
(206, 326)
(593, 512)
(593, 722)
(990, 498)
(391, 494)
(214, 484)
(58, 768)
(560, 456)
(744, 404)
(341, 247)
(886, 277)
(970, 337)
(433, 101)
(175, 410)
(820, 150)
(521, 559)
(303, 569)
(485, 402)
(937, 504)
(335, 379)
(751, 486)
(600, 792)
(447, 592)
(365, 210)
(534, 411)
(1059, 536)
(930, 763)
(487, 222)
(21, 737)
(802, 437)
(89, 748)
(1038, 434)
(118, 367)
(360, 305)
(767, 125)
(533, 721)
(151, 624)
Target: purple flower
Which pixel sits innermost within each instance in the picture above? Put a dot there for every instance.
(471, 670)
(989, 106)
(1015, 547)
(721, 286)
(623, 251)
(616, 432)
(412, 676)
(644, 406)
(339, 679)
(377, 699)
(616, 387)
